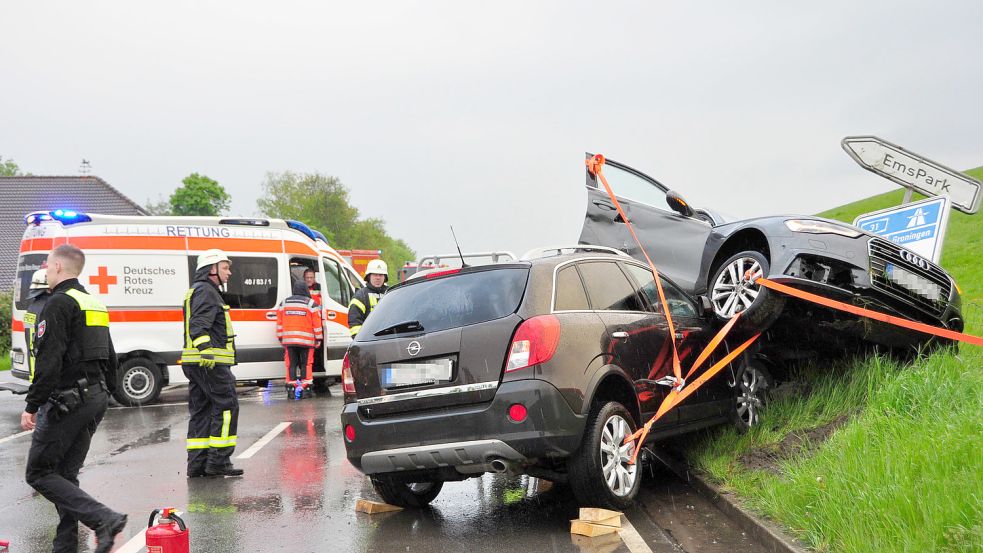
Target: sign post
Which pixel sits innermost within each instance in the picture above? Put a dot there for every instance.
(914, 172)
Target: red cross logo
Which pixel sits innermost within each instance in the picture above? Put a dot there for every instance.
(103, 280)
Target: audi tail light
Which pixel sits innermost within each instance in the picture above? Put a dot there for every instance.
(535, 342)
(347, 382)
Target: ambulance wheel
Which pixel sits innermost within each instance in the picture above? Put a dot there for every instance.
(395, 490)
(139, 383)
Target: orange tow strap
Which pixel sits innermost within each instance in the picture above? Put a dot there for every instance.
(680, 391)
(594, 165)
(876, 315)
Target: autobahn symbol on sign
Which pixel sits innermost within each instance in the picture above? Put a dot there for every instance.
(914, 171)
(918, 226)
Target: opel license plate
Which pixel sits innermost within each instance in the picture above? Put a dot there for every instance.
(431, 371)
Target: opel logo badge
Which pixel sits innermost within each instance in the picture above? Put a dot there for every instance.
(914, 259)
(414, 348)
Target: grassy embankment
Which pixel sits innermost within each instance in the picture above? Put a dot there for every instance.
(5, 363)
(871, 455)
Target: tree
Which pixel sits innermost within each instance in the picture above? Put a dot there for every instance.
(161, 207)
(322, 202)
(199, 195)
(8, 168)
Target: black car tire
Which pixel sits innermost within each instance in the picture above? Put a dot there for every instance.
(139, 382)
(731, 284)
(322, 386)
(397, 491)
(586, 467)
(752, 391)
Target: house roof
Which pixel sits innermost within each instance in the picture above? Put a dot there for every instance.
(22, 195)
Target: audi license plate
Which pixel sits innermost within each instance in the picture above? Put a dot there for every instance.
(432, 371)
(911, 281)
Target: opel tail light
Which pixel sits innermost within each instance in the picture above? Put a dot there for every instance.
(535, 342)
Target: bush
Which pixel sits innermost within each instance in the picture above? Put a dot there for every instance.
(6, 304)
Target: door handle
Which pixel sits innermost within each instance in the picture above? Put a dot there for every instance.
(620, 335)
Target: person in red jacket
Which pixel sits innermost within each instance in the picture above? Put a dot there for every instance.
(313, 288)
(298, 327)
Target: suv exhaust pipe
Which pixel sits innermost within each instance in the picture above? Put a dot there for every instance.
(499, 465)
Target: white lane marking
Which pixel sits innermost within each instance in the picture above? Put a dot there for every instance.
(15, 436)
(136, 543)
(263, 441)
(632, 538)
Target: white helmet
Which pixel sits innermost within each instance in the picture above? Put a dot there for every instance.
(377, 267)
(211, 257)
(39, 281)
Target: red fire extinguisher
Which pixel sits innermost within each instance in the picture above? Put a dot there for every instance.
(170, 535)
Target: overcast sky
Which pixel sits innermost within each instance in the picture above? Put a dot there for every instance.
(478, 114)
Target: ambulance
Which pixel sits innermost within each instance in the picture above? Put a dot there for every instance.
(141, 267)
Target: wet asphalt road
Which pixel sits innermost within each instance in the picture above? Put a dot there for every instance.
(299, 493)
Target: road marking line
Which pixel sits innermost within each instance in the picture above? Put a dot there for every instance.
(8, 438)
(136, 543)
(632, 538)
(264, 440)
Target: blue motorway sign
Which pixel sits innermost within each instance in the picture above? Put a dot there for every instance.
(918, 226)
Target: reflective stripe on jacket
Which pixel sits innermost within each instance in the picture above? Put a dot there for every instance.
(298, 322)
(362, 305)
(207, 329)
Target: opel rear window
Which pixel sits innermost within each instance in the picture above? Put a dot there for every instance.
(448, 302)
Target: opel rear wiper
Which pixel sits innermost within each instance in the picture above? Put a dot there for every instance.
(405, 326)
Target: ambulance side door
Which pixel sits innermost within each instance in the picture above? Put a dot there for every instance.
(336, 293)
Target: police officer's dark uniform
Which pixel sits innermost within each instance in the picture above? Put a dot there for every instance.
(367, 297)
(75, 367)
(207, 358)
(38, 294)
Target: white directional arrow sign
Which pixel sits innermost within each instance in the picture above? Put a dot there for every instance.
(914, 171)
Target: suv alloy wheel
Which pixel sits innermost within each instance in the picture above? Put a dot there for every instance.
(753, 386)
(600, 473)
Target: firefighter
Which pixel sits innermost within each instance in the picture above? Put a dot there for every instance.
(207, 360)
(38, 293)
(75, 367)
(298, 327)
(366, 298)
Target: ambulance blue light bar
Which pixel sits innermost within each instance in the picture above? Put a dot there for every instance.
(63, 216)
(306, 230)
(320, 236)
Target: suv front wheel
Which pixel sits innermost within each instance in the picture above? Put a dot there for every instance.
(600, 473)
(399, 492)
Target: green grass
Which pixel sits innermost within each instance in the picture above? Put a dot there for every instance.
(5, 363)
(903, 470)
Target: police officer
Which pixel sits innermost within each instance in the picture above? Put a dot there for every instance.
(75, 367)
(38, 293)
(207, 358)
(365, 300)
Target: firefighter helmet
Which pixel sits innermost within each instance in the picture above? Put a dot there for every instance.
(211, 257)
(39, 281)
(377, 267)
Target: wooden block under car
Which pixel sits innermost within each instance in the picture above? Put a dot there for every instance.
(374, 507)
(590, 529)
(600, 516)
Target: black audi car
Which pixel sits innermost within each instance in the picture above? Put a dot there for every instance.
(707, 254)
(541, 366)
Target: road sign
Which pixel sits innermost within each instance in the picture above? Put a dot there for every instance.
(914, 171)
(918, 226)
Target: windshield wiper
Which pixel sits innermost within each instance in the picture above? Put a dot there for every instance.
(405, 326)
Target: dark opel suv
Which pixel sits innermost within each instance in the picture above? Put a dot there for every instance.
(539, 367)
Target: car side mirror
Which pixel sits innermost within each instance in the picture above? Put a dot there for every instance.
(707, 305)
(678, 204)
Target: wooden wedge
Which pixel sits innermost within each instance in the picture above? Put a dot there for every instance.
(589, 529)
(593, 514)
(374, 507)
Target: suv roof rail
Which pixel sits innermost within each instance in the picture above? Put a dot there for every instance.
(536, 253)
(496, 257)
